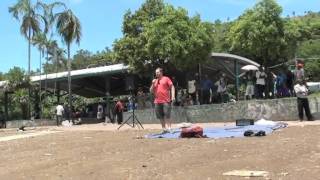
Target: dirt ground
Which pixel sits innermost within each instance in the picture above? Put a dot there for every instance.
(101, 152)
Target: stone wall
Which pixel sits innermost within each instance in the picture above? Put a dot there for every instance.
(284, 109)
(30, 123)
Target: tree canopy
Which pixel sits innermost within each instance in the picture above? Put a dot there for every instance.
(259, 33)
(159, 34)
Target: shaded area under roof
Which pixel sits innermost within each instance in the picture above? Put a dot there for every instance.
(95, 82)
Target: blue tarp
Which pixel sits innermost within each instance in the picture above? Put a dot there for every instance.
(223, 132)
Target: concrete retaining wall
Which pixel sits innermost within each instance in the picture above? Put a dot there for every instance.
(30, 123)
(284, 109)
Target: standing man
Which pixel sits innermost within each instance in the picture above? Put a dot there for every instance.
(164, 93)
(192, 89)
(99, 111)
(59, 113)
(222, 88)
(118, 109)
(248, 77)
(303, 103)
(206, 88)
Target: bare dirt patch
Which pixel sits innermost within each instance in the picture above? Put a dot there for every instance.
(101, 152)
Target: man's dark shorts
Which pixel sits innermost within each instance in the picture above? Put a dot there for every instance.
(163, 111)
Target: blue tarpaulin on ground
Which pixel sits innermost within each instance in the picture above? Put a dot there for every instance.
(223, 132)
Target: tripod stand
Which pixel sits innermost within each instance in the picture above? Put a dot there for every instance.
(133, 117)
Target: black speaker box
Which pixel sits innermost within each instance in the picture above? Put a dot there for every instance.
(244, 122)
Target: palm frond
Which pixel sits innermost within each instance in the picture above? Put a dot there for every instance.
(69, 27)
(21, 8)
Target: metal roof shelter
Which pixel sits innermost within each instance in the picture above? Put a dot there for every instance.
(229, 64)
(111, 80)
(90, 82)
(97, 81)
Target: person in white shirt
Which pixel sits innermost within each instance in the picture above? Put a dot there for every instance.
(301, 91)
(99, 111)
(192, 89)
(59, 113)
(261, 81)
(222, 88)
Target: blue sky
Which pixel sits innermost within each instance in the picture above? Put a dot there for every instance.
(102, 22)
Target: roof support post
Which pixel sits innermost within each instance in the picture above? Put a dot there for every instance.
(107, 93)
(6, 114)
(236, 72)
(58, 92)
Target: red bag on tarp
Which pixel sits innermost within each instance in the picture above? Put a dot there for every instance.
(192, 132)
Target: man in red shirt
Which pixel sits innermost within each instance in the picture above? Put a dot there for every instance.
(163, 90)
(118, 109)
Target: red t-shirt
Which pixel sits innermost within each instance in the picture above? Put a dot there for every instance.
(162, 90)
(119, 107)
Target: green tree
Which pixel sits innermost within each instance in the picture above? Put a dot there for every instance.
(1, 76)
(220, 34)
(178, 39)
(309, 50)
(131, 48)
(69, 28)
(18, 83)
(49, 15)
(40, 40)
(16, 78)
(259, 33)
(159, 34)
(82, 59)
(26, 12)
(104, 57)
(85, 59)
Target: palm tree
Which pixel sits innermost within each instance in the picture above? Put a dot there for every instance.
(26, 12)
(69, 28)
(57, 54)
(30, 25)
(49, 15)
(40, 40)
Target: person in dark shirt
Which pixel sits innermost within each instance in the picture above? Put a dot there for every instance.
(289, 82)
(206, 88)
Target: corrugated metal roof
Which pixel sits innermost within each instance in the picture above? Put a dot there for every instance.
(82, 72)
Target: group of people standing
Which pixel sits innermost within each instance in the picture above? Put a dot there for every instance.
(285, 84)
(261, 84)
(202, 91)
(164, 92)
